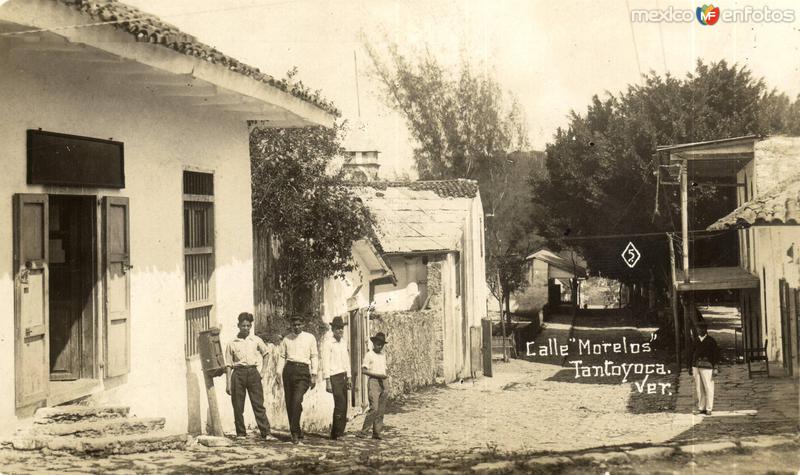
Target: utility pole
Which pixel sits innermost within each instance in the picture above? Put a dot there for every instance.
(685, 219)
(502, 317)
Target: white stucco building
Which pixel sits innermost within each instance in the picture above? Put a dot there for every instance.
(125, 204)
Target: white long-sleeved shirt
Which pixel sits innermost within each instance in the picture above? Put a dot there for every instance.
(300, 348)
(335, 358)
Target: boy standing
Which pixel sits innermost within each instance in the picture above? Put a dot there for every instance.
(374, 366)
(244, 355)
(336, 371)
(703, 365)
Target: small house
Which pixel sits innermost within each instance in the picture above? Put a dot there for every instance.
(431, 237)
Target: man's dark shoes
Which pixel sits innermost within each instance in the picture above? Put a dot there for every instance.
(295, 439)
(708, 412)
(377, 436)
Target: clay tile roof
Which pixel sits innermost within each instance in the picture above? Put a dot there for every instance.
(151, 29)
(455, 188)
(781, 205)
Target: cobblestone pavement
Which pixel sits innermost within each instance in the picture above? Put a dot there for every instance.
(742, 406)
(530, 408)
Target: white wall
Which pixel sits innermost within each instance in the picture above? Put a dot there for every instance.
(161, 140)
(410, 291)
(336, 291)
(773, 264)
(474, 260)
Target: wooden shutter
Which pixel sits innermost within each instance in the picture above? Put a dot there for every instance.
(31, 342)
(116, 285)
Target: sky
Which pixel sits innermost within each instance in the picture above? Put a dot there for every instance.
(552, 55)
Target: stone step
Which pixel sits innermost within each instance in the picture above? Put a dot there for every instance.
(118, 444)
(97, 427)
(74, 413)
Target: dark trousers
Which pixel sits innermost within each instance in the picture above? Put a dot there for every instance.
(296, 380)
(339, 385)
(247, 380)
(377, 406)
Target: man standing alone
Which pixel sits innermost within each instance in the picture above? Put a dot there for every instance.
(703, 364)
(299, 355)
(336, 371)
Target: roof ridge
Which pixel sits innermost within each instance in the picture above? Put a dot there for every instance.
(450, 188)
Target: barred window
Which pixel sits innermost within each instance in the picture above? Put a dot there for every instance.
(198, 252)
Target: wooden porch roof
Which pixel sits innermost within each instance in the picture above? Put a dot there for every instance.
(715, 278)
(713, 158)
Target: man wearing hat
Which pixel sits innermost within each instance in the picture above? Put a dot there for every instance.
(374, 366)
(336, 371)
(298, 353)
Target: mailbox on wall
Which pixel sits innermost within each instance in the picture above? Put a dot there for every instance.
(211, 357)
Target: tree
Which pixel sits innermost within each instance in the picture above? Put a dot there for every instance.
(465, 127)
(313, 216)
(509, 209)
(600, 168)
(462, 126)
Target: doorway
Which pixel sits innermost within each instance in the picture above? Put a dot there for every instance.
(71, 244)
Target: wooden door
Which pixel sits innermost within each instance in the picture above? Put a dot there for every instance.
(475, 351)
(31, 345)
(66, 269)
(116, 285)
(788, 309)
(796, 332)
(553, 293)
(354, 324)
(486, 347)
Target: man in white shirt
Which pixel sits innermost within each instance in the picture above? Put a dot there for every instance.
(299, 357)
(244, 355)
(374, 366)
(336, 371)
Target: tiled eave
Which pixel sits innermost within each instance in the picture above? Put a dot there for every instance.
(49, 31)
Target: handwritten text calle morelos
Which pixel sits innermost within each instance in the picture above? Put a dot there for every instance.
(608, 368)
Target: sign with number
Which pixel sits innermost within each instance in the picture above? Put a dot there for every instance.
(631, 255)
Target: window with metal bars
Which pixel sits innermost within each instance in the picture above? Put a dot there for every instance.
(198, 252)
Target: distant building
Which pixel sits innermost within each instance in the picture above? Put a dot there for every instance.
(550, 280)
(360, 156)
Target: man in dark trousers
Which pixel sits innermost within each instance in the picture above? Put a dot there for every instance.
(336, 371)
(703, 363)
(299, 355)
(244, 355)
